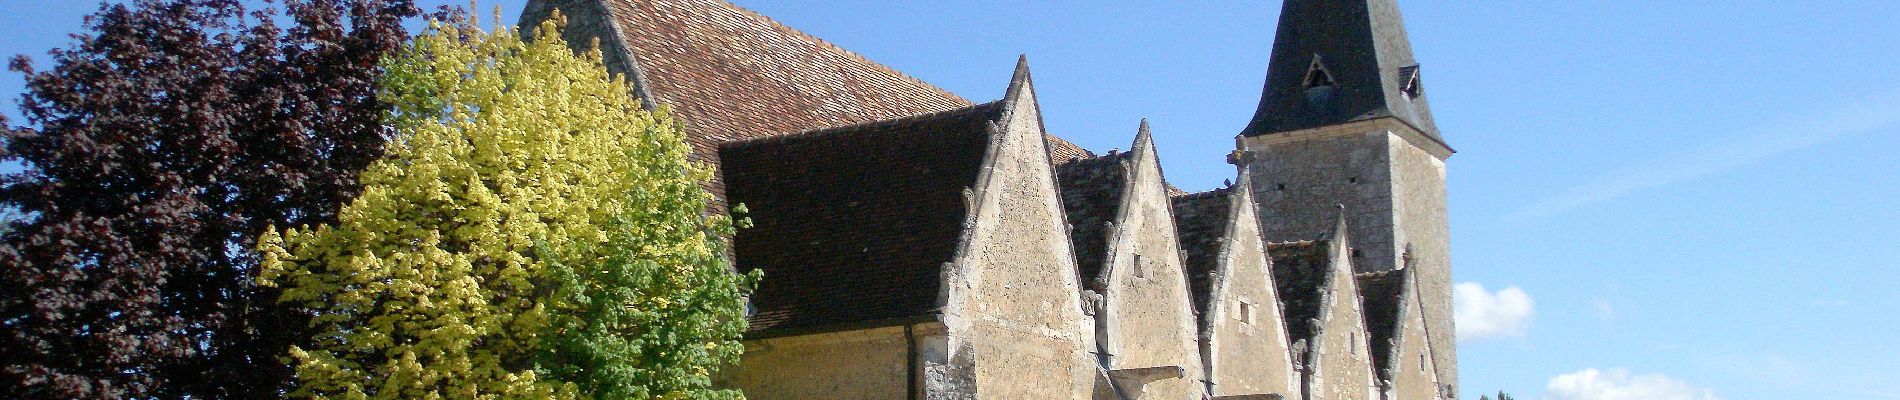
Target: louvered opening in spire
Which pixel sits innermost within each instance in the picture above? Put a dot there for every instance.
(1411, 88)
(1316, 75)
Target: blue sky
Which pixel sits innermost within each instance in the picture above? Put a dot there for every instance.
(1694, 199)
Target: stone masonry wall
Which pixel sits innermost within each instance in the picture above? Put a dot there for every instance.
(1343, 358)
(1148, 299)
(1014, 318)
(1248, 358)
(1422, 225)
(1413, 375)
(1393, 188)
(1299, 179)
(862, 364)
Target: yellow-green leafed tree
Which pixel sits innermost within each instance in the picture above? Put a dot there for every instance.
(532, 233)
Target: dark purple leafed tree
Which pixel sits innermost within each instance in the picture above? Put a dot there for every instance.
(156, 149)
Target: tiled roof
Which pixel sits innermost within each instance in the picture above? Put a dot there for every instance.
(1091, 199)
(1381, 294)
(853, 224)
(1200, 221)
(735, 74)
(1062, 150)
(1300, 275)
(732, 74)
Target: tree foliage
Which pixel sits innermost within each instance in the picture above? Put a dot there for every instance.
(532, 233)
(157, 148)
(655, 310)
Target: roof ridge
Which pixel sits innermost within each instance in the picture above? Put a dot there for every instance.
(1058, 141)
(1377, 274)
(821, 132)
(860, 57)
(1100, 158)
(1203, 194)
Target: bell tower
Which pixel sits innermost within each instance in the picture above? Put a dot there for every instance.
(1343, 120)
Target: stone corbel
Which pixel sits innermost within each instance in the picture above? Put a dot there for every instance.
(1132, 381)
(1091, 302)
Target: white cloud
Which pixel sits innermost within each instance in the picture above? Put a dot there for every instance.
(1617, 384)
(1482, 313)
(1748, 148)
(1604, 309)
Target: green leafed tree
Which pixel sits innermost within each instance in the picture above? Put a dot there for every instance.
(532, 233)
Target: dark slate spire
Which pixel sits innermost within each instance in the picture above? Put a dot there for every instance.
(1337, 61)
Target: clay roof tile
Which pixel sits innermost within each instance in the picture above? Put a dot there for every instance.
(1200, 221)
(1300, 274)
(1381, 294)
(853, 224)
(1091, 199)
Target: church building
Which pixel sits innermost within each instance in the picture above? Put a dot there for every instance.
(919, 245)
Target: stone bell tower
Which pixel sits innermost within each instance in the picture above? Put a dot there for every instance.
(1343, 120)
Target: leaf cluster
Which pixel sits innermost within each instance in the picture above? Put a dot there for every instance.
(532, 233)
(156, 149)
(1501, 396)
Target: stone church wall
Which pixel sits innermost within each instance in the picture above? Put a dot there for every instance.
(1015, 319)
(1343, 358)
(1248, 357)
(1299, 177)
(1412, 368)
(1154, 322)
(861, 364)
(1422, 227)
(1393, 188)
